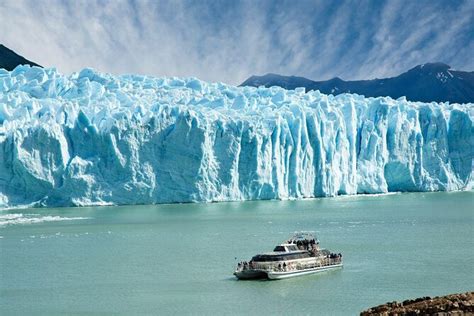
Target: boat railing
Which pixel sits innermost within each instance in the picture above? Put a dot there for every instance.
(304, 266)
(291, 266)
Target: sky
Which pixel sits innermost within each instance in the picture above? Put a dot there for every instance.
(229, 40)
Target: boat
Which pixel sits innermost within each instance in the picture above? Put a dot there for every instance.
(297, 256)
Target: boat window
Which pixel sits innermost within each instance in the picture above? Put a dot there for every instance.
(279, 248)
(280, 257)
(292, 248)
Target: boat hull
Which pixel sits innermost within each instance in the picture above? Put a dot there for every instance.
(278, 275)
(250, 274)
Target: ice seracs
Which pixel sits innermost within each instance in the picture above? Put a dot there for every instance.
(92, 139)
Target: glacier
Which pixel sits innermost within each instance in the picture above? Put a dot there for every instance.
(92, 138)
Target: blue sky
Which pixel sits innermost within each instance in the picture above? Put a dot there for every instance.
(230, 40)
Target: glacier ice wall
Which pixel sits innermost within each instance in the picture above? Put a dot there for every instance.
(93, 138)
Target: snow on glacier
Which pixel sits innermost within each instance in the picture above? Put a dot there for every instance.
(93, 139)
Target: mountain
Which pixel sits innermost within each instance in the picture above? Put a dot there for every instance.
(9, 59)
(93, 138)
(426, 83)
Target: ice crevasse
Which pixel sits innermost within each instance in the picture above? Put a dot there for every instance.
(92, 138)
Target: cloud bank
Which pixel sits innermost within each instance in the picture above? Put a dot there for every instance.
(229, 41)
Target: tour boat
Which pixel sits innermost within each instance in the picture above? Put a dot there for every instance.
(300, 255)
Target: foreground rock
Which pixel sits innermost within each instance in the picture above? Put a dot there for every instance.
(454, 304)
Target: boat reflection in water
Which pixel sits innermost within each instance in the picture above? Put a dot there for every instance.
(300, 255)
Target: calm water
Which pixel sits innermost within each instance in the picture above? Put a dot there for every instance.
(178, 259)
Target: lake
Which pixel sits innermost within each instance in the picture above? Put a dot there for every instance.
(179, 259)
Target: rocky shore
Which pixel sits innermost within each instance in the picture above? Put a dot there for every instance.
(454, 304)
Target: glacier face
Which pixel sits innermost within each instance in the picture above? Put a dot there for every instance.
(93, 139)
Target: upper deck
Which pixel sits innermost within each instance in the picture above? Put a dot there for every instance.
(281, 256)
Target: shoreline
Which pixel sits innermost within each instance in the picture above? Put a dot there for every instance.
(38, 205)
(451, 304)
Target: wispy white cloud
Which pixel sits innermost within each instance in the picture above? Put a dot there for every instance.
(412, 33)
(229, 41)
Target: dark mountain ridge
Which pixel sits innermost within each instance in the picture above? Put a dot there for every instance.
(428, 82)
(9, 59)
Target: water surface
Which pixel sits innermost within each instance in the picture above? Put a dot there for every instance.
(178, 259)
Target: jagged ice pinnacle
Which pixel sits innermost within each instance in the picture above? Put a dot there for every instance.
(93, 138)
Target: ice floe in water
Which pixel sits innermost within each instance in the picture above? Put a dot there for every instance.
(22, 219)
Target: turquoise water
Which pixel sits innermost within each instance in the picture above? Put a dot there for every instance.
(178, 259)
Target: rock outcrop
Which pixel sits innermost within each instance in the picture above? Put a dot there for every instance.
(454, 304)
